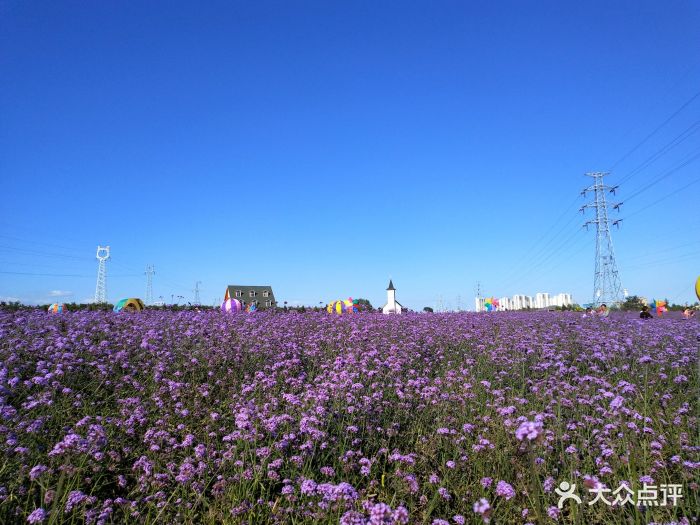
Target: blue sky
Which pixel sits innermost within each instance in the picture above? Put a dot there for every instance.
(322, 147)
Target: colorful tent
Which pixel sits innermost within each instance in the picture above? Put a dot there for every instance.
(340, 307)
(232, 306)
(659, 306)
(57, 308)
(130, 304)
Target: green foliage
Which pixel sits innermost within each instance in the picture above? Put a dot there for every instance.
(365, 305)
(632, 303)
(11, 306)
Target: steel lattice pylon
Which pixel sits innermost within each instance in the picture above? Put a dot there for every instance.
(196, 293)
(150, 271)
(607, 288)
(101, 288)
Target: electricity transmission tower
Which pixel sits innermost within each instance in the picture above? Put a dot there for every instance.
(607, 287)
(101, 288)
(477, 294)
(150, 271)
(197, 302)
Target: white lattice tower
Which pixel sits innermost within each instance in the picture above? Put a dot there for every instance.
(101, 287)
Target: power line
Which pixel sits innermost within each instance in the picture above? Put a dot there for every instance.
(45, 274)
(656, 253)
(667, 260)
(39, 253)
(670, 172)
(62, 274)
(536, 257)
(656, 129)
(654, 203)
(565, 244)
(688, 132)
(52, 245)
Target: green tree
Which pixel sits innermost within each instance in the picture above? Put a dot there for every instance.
(633, 302)
(365, 305)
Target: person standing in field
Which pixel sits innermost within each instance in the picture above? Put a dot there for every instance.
(645, 314)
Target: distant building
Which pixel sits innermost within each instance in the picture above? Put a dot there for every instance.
(561, 299)
(505, 303)
(523, 302)
(392, 306)
(260, 296)
(541, 300)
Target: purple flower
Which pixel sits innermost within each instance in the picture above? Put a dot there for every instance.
(505, 490)
(308, 487)
(37, 471)
(482, 507)
(617, 402)
(528, 430)
(379, 514)
(75, 498)
(37, 516)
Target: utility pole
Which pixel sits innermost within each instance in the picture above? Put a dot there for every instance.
(607, 287)
(196, 293)
(101, 287)
(477, 294)
(150, 271)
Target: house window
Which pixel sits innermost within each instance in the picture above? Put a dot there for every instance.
(252, 293)
(266, 294)
(268, 303)
(238, 293)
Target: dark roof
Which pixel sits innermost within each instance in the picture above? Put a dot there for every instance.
(391, 285)
(248, 287)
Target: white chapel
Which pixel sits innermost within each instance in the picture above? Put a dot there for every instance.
(392, 306)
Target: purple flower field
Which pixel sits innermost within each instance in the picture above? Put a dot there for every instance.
(199, 417)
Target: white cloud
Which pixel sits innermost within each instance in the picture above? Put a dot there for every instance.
(60, 293)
